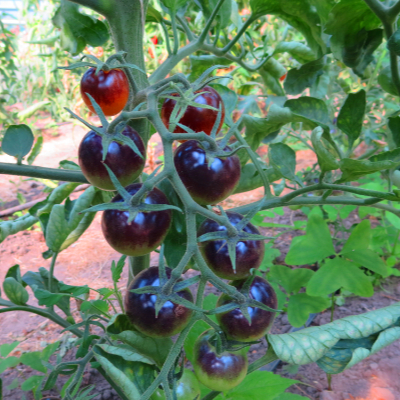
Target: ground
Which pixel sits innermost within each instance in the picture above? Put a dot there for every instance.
(88, 262)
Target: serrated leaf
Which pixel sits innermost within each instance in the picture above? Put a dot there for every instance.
(301, 305)
(292, 280)
(368, 259)
(314, 246)
(336, 274)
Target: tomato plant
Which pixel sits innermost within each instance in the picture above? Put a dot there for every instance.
(219, 372)
(197, 119)
(110, 89)
(144, 233)
(249, 253)
(244, 86)
(207, 184)
(123, 161)
(235, 324)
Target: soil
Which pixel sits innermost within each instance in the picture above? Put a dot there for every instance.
(88, 262)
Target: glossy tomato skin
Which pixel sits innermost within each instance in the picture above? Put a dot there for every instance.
(110, 90)
(234, 323)
(122, 160)
(249, 253)
(187, 388)
(218, 372)
(145, 233)
(206, 185)
(196, 118)
(140, 308)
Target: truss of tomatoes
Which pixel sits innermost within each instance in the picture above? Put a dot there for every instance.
(207, 183)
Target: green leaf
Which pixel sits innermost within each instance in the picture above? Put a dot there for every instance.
(15, 272)
(250, 178)
(17, 141)
(15, 292)
(57, 228)
(368, 259)
(116, 270)
(32, 382)
(325, 153)
(301, 305)
(283, 159)
(393, 43)
(153, 15)
(310, 344)
(200, 64)
(9, 362)
(299, 51)
(8, 228)
(47, 298)
(393, 219)
(229, 98)
(259, 385)
(156, 349)
(391, 155)
(386, 82)
(298, 80)
(354, 169)
(292, 280)
(207, 6)
(314, 246)
(394, 126)
(336, 274)
(132, 378)
(7, 348)
(33, 360)
(351, 115)
(37, 148)
(28, 112)
(126, 352)
(360, 237)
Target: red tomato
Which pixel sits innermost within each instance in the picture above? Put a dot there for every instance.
(110, 90)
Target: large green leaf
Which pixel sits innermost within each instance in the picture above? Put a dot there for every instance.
(354, 169)
(360, 237)
(325, 153)
(310, 344)
(314, 246)
(298, 80)
(351, 115)
(292, 280)
(250, 178)
(339, 273)
(121, 329)
(259, 385)
(297, 50)
(301, 305)
(368, 259)
(132, 377)
(57, 228)
(283, 159)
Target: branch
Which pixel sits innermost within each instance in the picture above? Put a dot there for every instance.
(210, 21)
(55, 174)
(394, 10)
(103, 7)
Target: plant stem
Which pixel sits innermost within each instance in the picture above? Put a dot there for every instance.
(51, 272)
(63, 175)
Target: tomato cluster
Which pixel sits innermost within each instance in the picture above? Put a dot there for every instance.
(137, 233)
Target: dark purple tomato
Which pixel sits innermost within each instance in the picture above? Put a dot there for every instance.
(235, 324)
(110, 90)
(140, 308)
(187, 388)
(196, 118)
(218, 371)
(206, 185)
(249, 253)
(122, 160)
(145, 233)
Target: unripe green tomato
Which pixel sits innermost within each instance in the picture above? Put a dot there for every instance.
(187, 388)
